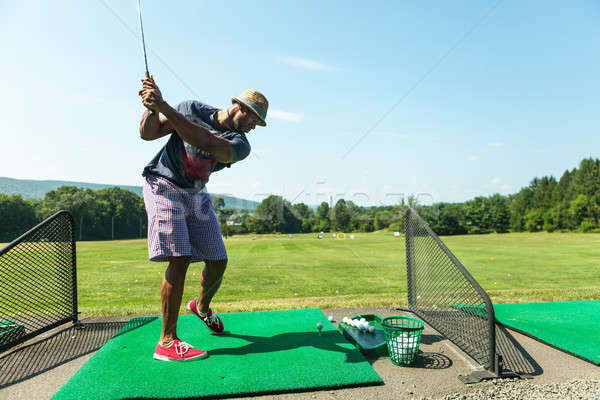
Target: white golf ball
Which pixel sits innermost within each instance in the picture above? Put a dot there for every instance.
(371, 329)
(331, 319)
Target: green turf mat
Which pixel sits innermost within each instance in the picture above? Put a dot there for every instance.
(268, 351)
(573, 326)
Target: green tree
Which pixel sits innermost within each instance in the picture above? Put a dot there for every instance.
(323, 221)
(534, 220)
(499, 213)
(477, 215)
(341, 217)
(445, 219)
(519, 206)
(579, 209)
(218, 203)
(586, 179)
(119, 209)
(303, 211)
(17, 216)
(274, 214)
(383, 219)
(81, 203)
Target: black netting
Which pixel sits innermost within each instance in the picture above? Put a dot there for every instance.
(37, 281)
(445, 295)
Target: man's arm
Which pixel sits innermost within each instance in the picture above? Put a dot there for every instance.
(154, 126)
(194, 134)
(197, 135)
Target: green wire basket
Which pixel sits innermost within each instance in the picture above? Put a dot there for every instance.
(403, 336)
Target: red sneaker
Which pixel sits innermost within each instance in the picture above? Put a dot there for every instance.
(178, 351)
(211, 319)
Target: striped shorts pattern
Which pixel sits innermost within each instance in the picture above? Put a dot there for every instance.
(181, 223)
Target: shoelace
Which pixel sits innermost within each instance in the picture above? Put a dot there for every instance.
(181, 348)
(212, 319)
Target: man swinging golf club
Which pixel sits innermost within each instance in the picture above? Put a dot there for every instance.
(182, 226)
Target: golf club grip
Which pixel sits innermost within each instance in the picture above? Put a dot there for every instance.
(152, 113)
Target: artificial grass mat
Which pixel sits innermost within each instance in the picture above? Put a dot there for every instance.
(573, 326)
(268, 351)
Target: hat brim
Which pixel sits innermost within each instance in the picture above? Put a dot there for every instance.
(261, 121)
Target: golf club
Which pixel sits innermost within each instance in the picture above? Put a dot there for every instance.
(139, 10)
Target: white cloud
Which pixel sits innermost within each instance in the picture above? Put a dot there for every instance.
(391, 134)
(474, 158)
(308, 64)
(285, 115)
(496, 180)
(496, 144)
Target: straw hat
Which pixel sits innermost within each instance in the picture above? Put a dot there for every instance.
(255, 101)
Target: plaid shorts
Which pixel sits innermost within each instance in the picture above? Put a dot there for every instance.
(181, 223)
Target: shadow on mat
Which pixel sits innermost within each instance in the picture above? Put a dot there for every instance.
(516, 358)
(329, 340)
(61, 347)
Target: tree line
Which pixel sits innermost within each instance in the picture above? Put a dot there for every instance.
(571, 203)
(105, 214)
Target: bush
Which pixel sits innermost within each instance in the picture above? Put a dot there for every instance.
(396, 226)
(587, 226)
(534, 221)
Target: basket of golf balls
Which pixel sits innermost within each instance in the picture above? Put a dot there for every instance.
(362, 325)
(403, 336)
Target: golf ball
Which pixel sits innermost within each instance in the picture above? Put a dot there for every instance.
(331, 319)
(319, 326)
(371, 329)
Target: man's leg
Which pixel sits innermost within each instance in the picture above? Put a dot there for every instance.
(211, 278)
(170, 293)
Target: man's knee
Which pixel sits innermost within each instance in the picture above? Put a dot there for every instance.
(216, 267)
(177, 268)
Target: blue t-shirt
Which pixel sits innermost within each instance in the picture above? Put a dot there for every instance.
(190, 167)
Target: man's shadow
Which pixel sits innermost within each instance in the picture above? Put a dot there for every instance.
(328, 340)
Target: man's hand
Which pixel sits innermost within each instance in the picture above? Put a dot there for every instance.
(151, 95)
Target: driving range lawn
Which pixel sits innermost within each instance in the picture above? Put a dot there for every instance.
(276, 272)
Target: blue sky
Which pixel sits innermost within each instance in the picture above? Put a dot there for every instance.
(442, 100)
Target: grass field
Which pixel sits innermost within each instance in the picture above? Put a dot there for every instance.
(275, 272)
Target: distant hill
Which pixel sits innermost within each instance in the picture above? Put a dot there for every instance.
(34, 189)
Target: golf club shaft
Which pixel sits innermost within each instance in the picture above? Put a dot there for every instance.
(139, 10)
